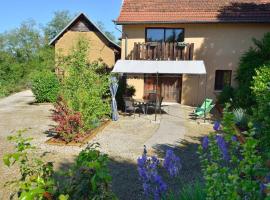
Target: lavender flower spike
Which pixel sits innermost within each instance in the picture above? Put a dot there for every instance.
(216, 126)
(234, 138)
(172, 163)
(223, 147)
(205, 142)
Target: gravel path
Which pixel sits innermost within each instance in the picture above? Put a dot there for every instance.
(122, 140)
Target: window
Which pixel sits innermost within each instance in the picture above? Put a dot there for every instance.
(223, 78)
(164, 35)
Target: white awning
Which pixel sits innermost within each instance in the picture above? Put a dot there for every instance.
(161, 67)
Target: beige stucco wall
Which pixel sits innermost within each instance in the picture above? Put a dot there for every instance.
(219, 45)
(138, 82)
(97, 48)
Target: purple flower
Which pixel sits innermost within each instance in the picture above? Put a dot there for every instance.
(153, 185)
(234, 138)
(222, 147)
(172, 163)
(262, 187)
(205, 142)
(216, 126)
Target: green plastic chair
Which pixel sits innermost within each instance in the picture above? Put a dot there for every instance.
(206, 107)
(205, 104)
(201, 112)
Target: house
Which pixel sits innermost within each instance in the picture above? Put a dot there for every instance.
(215, 32)
(100, 46)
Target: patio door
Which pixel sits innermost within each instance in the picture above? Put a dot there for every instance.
(169, 86)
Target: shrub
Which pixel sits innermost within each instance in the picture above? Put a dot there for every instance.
(240, 118)
(226, 95)
(89, 178)
(194, 191)
(123, 90)
(36, 181)
(86, 86)
(69, 123)
(231, 166)
(45, 86)
(249, 62)
(261, 113)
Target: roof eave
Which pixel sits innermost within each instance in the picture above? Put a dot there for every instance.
(190, 22)
(53, 41)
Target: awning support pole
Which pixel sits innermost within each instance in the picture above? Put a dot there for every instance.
(156, 97)
(205, 97)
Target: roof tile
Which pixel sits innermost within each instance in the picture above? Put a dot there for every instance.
(182, 11)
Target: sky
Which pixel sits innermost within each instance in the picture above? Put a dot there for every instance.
(13, 12)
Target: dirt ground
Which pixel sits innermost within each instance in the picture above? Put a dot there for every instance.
(122, 140)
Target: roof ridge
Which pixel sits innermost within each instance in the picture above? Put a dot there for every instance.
(71, 23)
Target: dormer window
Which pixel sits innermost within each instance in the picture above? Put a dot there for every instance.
(164, 35)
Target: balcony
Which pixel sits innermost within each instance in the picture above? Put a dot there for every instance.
(162, 51)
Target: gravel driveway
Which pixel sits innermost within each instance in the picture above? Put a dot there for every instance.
(122, 140)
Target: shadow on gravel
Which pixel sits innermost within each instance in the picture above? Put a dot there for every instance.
(187, 151)
(125, 179)
(125, 182)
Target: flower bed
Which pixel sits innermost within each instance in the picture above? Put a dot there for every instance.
(81, 138)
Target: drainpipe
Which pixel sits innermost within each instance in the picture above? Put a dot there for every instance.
(126, 38)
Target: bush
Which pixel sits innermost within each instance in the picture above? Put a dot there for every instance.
(89, 178)
(232, 166)
(261, 113)
(123, 90)
(36, 181)
(69, 123)
(86, 86)
(45, 86)
(226, 95)
(240, 118)
(249, 62)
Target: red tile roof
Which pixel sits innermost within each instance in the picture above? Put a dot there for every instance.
(194, 11)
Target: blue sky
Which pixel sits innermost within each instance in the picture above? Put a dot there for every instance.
(13, 12)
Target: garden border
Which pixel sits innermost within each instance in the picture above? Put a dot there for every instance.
(89, 137)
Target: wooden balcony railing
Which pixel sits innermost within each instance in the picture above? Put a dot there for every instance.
(162, 51)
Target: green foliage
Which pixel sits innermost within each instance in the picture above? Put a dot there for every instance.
(123, 90)
(58, 22)
(36, 180)
(86, 86)
(249, 62)
(109, 34)
(234, 177)
(89, 178)
(261, 113)
(226, 95)
(25, 51)
(240, 118)
(45, 86)
(194, 191)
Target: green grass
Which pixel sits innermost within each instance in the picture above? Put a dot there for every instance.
(193, 191)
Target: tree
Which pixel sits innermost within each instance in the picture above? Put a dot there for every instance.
(58, 22)
(24, 41)
(23, 52)
(254, 58)
(109, 34)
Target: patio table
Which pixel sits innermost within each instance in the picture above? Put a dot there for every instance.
(143, 103)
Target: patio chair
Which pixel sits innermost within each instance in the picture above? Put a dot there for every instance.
(155, 104)
(130, 106)
(205, 104)
(205, 108)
